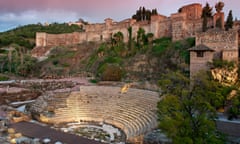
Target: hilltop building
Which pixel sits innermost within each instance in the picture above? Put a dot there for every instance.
(216, 43)
(186, 23)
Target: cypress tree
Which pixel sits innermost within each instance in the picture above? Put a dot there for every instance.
(206, 13)
(229, 22)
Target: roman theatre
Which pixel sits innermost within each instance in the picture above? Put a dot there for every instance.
(132, 111)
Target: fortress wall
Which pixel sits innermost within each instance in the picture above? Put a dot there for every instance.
(193, 27)
(44, 39)
(62, 39)
(220, 41)
(106, 35)
(157, 22)
(134, 31)
(165, 29)
(41, 38)
(95, 27)
(178, 26)
(230, 55)
(120, 25)
(155, 28)
(147, 29)
(186, 23)
(82, 37)
(93, 36)
(178, 30)
(55, 39)
(193, 11)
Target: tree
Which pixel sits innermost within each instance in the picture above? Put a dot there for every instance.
(143, 14)
(141, 37)
(185, 114)
(218, 23)
(206, 13)
(229, 22)
(117, 38)
(154, 12)
(130, 39)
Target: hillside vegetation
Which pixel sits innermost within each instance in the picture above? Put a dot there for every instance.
(141, 58)
(25, 35)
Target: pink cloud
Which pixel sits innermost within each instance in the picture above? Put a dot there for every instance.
(95, 10)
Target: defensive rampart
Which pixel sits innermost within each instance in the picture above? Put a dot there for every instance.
(180, 25)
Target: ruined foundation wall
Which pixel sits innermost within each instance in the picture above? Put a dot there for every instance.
(220, 40)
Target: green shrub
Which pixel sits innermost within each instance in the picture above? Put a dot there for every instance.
(112, 73)
(191, 41)
(93, 80)
(161, 45)
(223, 64)
(55, 62)
(3, 78)
(111, 59)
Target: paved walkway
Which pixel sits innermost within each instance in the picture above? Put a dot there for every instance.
(37, 131)
(229, 127)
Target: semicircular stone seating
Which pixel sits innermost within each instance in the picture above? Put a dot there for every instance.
(134, 112)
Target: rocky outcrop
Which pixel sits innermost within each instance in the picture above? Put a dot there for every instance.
(16, 116)
(45, 105)
(225, 76)
(41, 52)
(16, 94)
(141, 67)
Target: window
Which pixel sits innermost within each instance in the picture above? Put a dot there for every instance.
(200, 54)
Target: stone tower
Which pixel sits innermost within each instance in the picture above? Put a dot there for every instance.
(200, 55)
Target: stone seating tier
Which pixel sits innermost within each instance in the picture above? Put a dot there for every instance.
(134, 112)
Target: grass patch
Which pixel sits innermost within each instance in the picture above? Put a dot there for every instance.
(160, 45)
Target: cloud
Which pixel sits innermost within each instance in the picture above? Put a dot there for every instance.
(20, 12)
(33, 17)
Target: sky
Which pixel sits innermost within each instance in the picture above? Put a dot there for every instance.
(14, 13)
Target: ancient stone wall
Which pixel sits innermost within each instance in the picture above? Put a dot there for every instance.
(41, 39)
(186, 23)
(193, 27)
(95, 27)
(230, 55)
(160, 26)
(165, 29)
(178, 26)
(44, 39)
(193, 11)
(220, 40)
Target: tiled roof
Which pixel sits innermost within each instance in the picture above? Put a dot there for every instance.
(200, 47)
